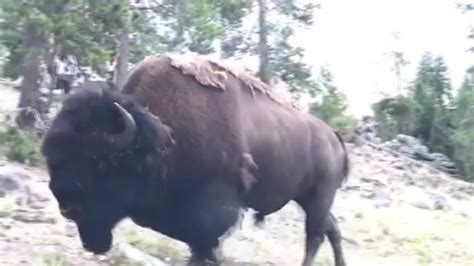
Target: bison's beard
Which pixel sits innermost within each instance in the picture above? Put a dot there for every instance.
(95, 237)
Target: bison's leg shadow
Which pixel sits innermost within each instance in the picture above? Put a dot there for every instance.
(207, 215)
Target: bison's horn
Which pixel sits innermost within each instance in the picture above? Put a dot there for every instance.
(124, 138)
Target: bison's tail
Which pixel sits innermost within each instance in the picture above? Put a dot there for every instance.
(346, 166)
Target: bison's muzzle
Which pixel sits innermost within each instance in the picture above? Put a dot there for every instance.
(95, 238)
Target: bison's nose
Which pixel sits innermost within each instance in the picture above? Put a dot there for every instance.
(71, 213)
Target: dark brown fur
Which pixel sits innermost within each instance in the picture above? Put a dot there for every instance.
(208, 144)
(298, 156)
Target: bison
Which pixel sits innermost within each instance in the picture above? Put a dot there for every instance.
(185, 146)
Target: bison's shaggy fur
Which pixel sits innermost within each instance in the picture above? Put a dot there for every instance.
(186, 145)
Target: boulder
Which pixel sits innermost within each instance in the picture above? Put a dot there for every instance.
(134, 255)
(9, 183)
(440, 203)
(12, 179)
(413, 148)
(368, 129)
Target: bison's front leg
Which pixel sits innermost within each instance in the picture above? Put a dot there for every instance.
(208, 213)
(199, 258)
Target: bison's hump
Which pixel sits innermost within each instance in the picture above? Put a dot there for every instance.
(210, 72)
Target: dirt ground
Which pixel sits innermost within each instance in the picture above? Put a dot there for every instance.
(388, 216)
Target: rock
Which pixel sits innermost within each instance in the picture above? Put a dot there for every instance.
(373, 181)
(407, 151)
(433, 202)
(459, 195)
(12, 180)
(36, 205)
(468, 189)
(137, 256)
(350, 137)
(444, 162)
(368, 194)
(6, 224)
(440, 203)
(43, 90)
(9, 183)
(34, 200)
(18, 172)
(30, 216)
(413, 148)
(350, 187)
(368, 129)
(399, 165)
(40, 198)
(408, 180)
(380, 197)
(20, 201)
(71, 230)
(404, 139)
(421, 152)
(439, 157)
(422, 205)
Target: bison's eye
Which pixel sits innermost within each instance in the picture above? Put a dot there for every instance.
(67, 196)
(69, 202)
(71, 212)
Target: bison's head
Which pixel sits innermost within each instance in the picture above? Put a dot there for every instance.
(102, 152)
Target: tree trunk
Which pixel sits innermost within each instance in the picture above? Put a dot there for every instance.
(263, 43)
(398, 76)
(29, 101)
(52, 68)
(122, 60)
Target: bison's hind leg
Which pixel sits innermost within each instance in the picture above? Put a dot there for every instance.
(334, 235)
(206, 216)
(315, 229)
(316, 203)
(259, 219)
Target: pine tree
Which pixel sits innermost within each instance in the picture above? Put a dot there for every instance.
(395, 115)
(333, 105)
(203, 26)
(41, 30)
(432, 94)
(468, 8)
(277, 56)
(230, 15)
(399, 62)
(463, 120)
(188, 25)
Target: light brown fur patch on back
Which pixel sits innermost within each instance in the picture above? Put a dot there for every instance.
(209, 72)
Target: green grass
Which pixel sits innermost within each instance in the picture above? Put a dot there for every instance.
(116, 258)
(19, 146)
(54, 259)
(7, 206)
(423, 252)
(150, 245)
